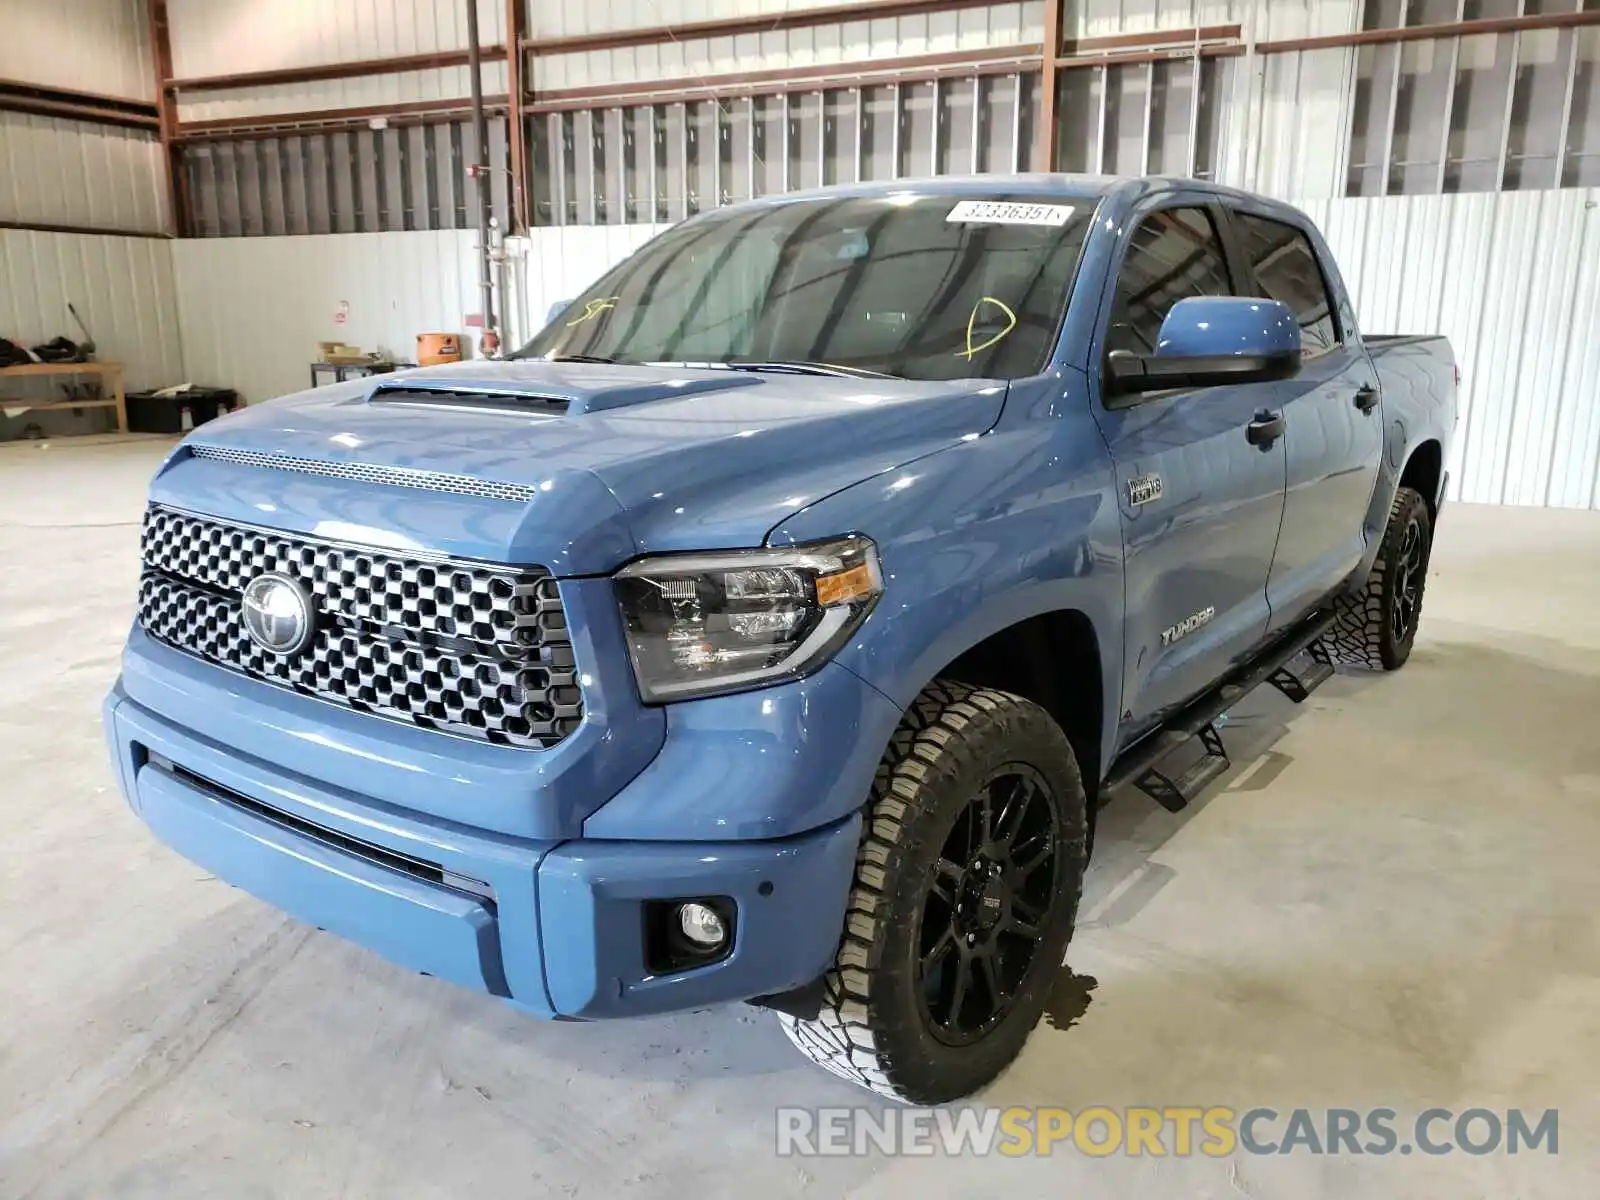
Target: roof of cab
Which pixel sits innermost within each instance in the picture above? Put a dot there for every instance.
(1066, 187)
(1075, 187)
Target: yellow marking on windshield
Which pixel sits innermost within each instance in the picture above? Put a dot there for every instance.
(972, 321)
(592, 309)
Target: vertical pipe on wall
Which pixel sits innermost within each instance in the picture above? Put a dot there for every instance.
(1196, 75)
(1394, 111)
(647, 211)
(977, 123)
(894, 132)
(1511, 98)
(1016, 124)
(521, 185)
(861, 117)
(788, 115)
(750, 150)
(1149, 112)
(1449, 111)
(1564, 130)
(480, 169)
(1100, 120)
(822, 137)
(1044, 157)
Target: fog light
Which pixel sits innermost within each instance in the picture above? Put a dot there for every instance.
(702, 925)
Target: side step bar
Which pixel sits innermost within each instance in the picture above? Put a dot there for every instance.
(1298, 685)
(1201, 718)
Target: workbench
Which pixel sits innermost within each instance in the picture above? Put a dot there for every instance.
(109, 373)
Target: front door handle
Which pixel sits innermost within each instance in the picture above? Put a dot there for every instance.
(1367, 398)
(1265, 429)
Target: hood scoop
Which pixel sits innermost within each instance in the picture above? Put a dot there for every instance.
(467, 397)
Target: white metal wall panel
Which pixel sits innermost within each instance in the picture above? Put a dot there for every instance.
(556, 18)
(81, 45)
(254, 309)
(218, 37)
(1513, 279)
(122, 286)
(403, 87)
(60, 172)
(1297, 112)
(560, 262)
(852, 42)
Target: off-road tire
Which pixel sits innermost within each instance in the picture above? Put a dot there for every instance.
(871, 1028)
(1364, 632)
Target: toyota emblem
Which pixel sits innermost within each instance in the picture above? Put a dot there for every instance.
(277, 614)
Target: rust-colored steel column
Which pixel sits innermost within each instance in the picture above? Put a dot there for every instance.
(516, 133)
(167, 115)
(1044, 156)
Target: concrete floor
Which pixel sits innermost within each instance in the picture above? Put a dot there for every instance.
(1390, 902)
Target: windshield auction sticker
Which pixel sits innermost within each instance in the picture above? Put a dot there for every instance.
(1007, 212)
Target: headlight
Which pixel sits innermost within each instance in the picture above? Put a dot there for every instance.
(699, 624)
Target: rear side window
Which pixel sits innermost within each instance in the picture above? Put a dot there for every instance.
(1173, 255)
(1286, 266)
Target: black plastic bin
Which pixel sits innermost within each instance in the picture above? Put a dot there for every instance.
(149, 413)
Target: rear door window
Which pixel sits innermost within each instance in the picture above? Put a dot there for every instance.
(1173, 254)
(1286, 267)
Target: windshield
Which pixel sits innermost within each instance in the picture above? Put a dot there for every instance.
(925, 287)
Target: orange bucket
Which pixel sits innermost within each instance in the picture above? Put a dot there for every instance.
(435, 348)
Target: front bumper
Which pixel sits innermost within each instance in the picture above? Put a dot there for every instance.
(553, 926)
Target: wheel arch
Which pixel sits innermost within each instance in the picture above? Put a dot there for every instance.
(1424, 472)
(1054, 659)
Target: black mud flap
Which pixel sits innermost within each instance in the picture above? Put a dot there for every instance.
(803, 1002)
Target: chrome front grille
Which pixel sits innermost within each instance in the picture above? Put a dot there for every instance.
(464, 647)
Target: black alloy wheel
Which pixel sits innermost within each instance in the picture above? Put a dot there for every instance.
(1409, 568)
(986, 905)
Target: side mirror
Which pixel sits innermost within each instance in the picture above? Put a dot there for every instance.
(1209, 341)
(556, 309)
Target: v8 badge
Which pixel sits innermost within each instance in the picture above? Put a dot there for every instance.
(1143, 489)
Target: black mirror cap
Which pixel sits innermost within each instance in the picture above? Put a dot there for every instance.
(1132, 374)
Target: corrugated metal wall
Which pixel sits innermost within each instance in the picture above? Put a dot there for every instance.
(1514, 280)
(60, 172)
(63, 172)
(222, 37)
(123, 288)
(974, 27)
(403, 87)
(83, 45)
(212, 38)
(254, 309)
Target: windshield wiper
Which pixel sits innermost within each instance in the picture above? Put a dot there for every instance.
(582, 358)
(806, 368)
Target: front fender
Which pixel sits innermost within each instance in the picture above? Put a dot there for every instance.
(1004, 527)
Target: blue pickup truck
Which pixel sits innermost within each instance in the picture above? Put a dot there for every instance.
(771, 626)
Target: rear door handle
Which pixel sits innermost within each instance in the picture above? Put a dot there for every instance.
(1367, 398)
(1265, 429)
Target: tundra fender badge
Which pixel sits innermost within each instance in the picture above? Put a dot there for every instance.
(1187, 626)
(1142, 489)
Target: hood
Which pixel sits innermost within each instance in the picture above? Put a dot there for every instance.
(588, 464)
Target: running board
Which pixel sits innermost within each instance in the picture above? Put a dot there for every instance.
(1203, 717)
(1298, 685)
